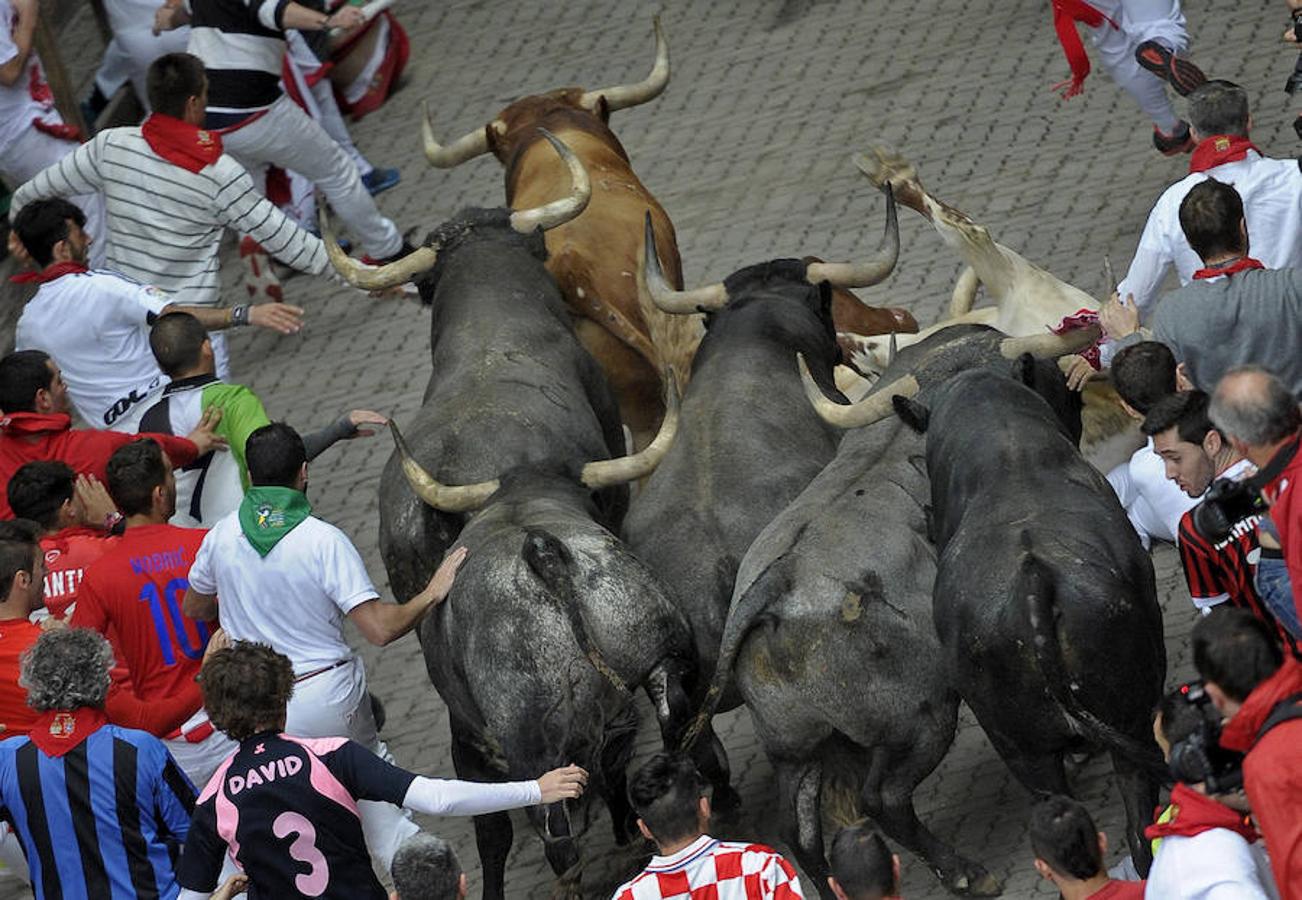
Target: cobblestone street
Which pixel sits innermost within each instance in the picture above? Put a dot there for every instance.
(748, 150)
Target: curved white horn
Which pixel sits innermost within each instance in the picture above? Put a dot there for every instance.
(873, 408)
(468, 146)
(625, 95)
(1043, 346)
(372, 278)
(607, 472)
(558, 212)
(851, 275)
(680, 303)
(447, 498)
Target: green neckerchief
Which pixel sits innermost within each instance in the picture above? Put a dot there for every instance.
(267, 514)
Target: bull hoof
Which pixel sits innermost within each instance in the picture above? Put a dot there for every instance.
(883, 165)
(973, 882)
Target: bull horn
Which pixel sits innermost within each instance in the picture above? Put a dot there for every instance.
(1044, 346)
(866, 274)
(558, 212)
(873, 408)
(892, 350)
(609, 472)
(679, 303)
(446, 498)
(372, 278)
(625, 95)
(466, 147)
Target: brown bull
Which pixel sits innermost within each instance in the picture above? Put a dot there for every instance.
(595, 258)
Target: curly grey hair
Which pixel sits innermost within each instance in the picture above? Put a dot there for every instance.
(67, 668)
(425, 868)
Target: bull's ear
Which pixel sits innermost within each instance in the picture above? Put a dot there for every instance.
(1023, 370)
(911, 413)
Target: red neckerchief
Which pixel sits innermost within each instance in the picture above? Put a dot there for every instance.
(181, 143)
(50, 273)
(1082, 318)
(1242, 264)
(1193, 813)
(1066, 13)
(25, 423)
(1218, 149)
(57, 731)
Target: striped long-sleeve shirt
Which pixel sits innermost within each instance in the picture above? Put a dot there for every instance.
(164, 222)
(105, 820)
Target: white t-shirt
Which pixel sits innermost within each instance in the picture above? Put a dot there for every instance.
(18, 108)
(295, 598)
(1271, 190)
(96, 327)
(1154, 503)
(1215, 865)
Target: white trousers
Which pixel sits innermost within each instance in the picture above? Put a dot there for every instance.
(34, 151)
(201, 760)
(288, 137)
(130, 53)
(1140, 21)
(336, 704)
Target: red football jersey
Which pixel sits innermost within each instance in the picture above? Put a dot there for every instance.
(16, 635)
(136, 589)
(67, 554)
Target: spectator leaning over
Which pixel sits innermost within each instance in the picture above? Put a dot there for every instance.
(1069, 852)
(214, 485)
(278, 786)
(1196, 453)
(1271, 190)
(78, 521)
(1255, 687)
(35, 425)
(100, 809)
(171, 192)
(32, 133)
(1203, 848)
(133, 592)
(1234, 312)
(96, 324)
(242, 45)
(672, 804)
(863, 867)
(1143, 375)
(273, 546)
(22, 571)
(426, 868)
(1257, 413)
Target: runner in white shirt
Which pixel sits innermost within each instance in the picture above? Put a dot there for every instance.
(32, 134)
(95, 324)
(1271, 190)
(287, 579)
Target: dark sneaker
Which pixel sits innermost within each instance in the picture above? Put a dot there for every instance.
(1175, 143)
(378, 180)
(1177, 71)
(405, 250)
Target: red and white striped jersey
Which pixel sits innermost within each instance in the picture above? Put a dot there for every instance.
(708, 869)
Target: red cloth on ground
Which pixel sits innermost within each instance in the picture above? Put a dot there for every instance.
(181, 143)
(1218, 149)
(87, 451)
(16, 635)
(1193, 813)
(1272, 773)
(1066, 13)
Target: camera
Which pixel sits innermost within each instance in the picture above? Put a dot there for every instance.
(1199, 757)
(1227, 503)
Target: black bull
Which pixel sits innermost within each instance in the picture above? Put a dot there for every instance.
(551, 622)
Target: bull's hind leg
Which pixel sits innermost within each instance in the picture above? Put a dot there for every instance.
(965, 293)
(1139, 792)
(493, 832)
(666, 687)
(800, 790)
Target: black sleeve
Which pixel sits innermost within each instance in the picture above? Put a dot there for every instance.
(201, 861)
(366, 776)
(316, 442)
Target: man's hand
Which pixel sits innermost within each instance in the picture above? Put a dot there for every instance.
(95, 500)
(1119, 318)
(1078, 371)
(1183, 382)
(25, 9)
(363, 417)
(279, 317)
(170, 15)
(205, 435)
(566, 783)
(440, 585)
(218, 640)
(234, 886)
(51, 623)
(346, 17)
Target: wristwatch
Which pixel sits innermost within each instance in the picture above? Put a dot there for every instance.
(115, 523)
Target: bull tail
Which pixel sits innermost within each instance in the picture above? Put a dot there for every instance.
(1035, 585)
(552, 562)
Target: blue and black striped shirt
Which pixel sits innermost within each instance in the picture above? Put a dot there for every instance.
(105, 820)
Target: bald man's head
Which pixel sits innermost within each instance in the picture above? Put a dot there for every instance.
(1254, 408)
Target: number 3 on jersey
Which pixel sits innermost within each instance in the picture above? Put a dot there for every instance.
(314, 881)
(169, 624)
